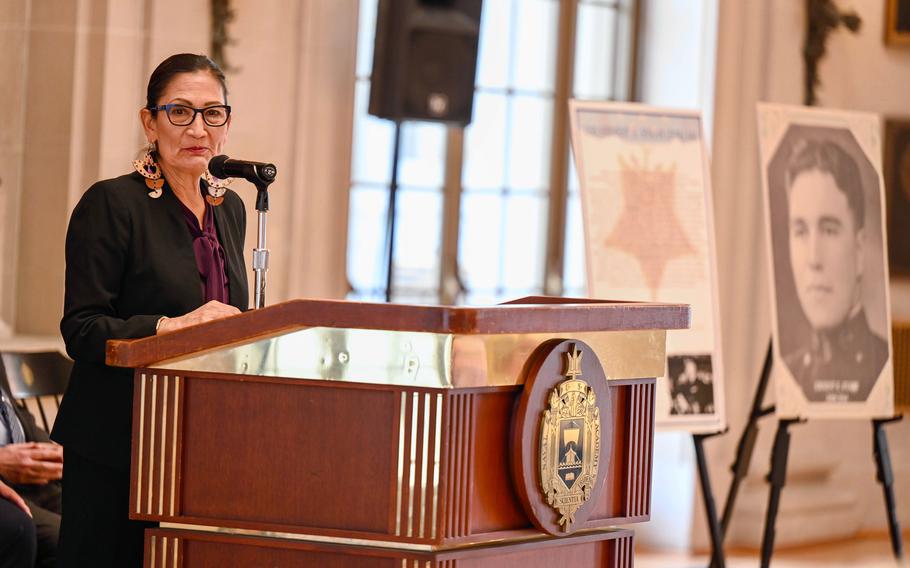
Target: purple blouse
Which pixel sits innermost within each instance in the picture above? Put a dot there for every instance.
(209, 254)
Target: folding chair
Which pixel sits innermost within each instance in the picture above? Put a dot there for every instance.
(36, 375)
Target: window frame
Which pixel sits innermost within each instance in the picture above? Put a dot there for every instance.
(625, 87)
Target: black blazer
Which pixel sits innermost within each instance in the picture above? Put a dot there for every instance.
(129, 261)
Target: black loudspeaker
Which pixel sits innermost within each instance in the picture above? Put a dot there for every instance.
(424, 59)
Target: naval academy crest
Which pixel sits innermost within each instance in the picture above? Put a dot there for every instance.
(570, 443)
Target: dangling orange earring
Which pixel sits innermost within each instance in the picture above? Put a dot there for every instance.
(151, 171)
(215, 187)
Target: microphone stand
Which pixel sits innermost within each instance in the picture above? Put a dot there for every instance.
(260, 253)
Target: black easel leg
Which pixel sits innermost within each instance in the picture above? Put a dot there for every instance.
(885, 476)
(746, 445)
(777, 478)
(717, 543)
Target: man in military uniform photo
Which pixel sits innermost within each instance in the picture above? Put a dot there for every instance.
(691, 388)
(842, 357)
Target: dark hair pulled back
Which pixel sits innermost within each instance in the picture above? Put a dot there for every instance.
(175, 65)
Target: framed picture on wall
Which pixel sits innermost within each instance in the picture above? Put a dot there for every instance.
(897, 191)
(897, 22)
(825, 210)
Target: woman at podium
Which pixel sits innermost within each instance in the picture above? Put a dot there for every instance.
(149, 252)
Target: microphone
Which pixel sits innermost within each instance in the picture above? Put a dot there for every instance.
(255, 172)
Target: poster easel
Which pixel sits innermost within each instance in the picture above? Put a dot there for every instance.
(715, 530)
(831, 349)
(778, 470)
(646, 168)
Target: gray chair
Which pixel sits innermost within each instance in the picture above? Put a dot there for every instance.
(37, 376)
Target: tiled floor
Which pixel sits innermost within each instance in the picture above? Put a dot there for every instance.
(863, 553)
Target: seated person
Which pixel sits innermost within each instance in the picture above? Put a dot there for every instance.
(33, 466)
(17, 531)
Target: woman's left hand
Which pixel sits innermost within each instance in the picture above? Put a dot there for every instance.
(207, 312)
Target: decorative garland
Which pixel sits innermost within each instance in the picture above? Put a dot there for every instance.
(823, 17)
(222, 15)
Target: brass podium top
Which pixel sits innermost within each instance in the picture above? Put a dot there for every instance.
(436, 346)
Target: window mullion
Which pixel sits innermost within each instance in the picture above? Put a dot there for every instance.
(450, 287)
(626, 77)
(559, 155)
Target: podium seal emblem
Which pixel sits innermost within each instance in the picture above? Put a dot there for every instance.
(570, 443)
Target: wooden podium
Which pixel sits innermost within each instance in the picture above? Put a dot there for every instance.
(330, 433)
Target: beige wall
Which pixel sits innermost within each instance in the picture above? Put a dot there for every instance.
(831, 490)
(75, 78)
(294, 93)
(14, 40)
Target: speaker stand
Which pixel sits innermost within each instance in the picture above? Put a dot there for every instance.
(390, 224)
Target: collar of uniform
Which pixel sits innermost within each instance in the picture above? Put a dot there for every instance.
(841, 337)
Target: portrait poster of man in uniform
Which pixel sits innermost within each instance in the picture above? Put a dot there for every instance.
(649, 236)
(824, 197)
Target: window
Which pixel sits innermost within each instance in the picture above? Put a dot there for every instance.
(507, 197)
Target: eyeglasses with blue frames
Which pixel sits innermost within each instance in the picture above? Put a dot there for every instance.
(183, 115)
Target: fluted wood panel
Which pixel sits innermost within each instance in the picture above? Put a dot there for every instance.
(157, 462)
(416, 563)
(623, 549)
(639, 450)
(459, 465)
(164, 551)
(418, 464)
